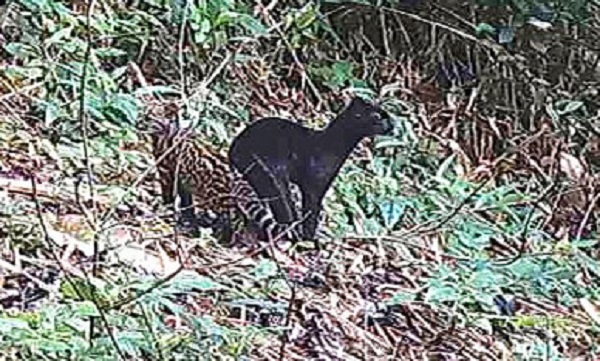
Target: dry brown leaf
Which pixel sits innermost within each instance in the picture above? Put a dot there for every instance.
(72, 223)
(590, 309)
(572, 166)
(66, 240)
(157, 263)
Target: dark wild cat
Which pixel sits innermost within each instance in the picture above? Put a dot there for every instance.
(307, 157)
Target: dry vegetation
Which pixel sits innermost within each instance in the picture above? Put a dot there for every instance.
(469, 234)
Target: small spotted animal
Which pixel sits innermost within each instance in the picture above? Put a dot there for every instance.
(206, 183)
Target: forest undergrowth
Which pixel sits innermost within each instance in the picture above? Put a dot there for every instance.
(469, 233)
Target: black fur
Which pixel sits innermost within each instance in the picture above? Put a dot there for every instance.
(310, 158)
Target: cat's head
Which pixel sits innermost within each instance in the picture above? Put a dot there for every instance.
(367, 118)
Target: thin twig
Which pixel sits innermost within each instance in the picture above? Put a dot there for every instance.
(586, 217)
(84, 123)
(506, 262)
(83, 119)
(148, 324)
(437, 25)
(292, 51)
(11, 267)
(147, 291)
(52, 246)
(180, 44)
(442, 221)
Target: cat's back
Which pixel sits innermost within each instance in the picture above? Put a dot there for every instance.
(271, 133)
(274, 126)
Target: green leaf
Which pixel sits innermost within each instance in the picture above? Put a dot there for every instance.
(484, 29)
(106, 53)
(119, 72)
(571, 107)
(85, 309)
(342, 72)
(123, 107)
(200, 38)
(583, 243)
(131, 342)
(225, 18)
(265, 269)
(187, 281)
(401, 297)
(53, 345)
(387, 142)
(94, 107)
(9, 324)
(485, 279)
(205, 26)
(84, 289)
(307, 16)
(254, 26)
(51, 113)
(37, 5)
(391, 210)
(59, 36)
(438, 293)
(19, 50)
(372, 226)
(486, 299)
(195, 24)
(524, 268)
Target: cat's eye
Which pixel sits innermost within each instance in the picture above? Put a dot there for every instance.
(376, 116)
